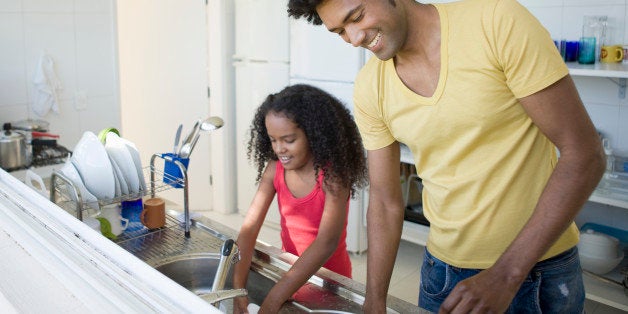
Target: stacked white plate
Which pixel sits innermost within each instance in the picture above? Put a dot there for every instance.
(109, 170)
(92, 162)
(123, 163)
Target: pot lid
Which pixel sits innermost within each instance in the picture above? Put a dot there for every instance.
(7, 136)
(31, 125)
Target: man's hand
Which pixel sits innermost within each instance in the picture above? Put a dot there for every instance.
(486, 292)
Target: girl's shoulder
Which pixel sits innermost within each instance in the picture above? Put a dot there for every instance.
(271, 170)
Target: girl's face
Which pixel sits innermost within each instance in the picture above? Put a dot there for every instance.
(289, 142)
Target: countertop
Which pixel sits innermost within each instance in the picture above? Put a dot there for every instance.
(55, 263)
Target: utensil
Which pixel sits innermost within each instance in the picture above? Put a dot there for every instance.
(190, 136)
(210, 124)
(176, 138)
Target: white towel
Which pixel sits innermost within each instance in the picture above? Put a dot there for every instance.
(47, 85)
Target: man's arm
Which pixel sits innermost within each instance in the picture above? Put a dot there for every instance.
(559, 113)
(384, 224)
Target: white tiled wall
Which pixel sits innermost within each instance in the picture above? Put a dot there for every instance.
(563, 19)
(79, 36)
(607, 109)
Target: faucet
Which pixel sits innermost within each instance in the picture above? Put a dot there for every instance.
(229, 255)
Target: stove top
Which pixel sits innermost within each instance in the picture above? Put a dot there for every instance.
(49, 155)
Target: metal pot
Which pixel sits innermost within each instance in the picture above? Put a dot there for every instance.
(13, 149)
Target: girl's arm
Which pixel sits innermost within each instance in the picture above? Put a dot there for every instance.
(250, 228)
(315, 256)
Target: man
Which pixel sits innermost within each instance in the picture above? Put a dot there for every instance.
(478, 92)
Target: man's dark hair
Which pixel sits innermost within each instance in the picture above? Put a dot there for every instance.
(305, 9)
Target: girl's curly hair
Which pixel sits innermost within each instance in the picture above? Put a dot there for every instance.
(333, 137)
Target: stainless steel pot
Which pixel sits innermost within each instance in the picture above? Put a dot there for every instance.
(13, 149)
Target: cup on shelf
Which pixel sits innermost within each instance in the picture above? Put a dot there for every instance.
(612, 54)
(172, 172)
(571, 51)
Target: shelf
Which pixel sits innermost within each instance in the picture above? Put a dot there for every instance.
(612, 190)
(605, 292)
(608, 200)
(617, 70)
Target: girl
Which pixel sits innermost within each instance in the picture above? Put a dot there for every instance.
(309, 153)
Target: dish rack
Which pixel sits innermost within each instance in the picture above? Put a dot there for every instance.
(66, 195)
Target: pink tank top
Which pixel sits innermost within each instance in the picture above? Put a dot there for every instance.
(300, 219)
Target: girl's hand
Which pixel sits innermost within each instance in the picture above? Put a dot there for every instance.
(240, 305)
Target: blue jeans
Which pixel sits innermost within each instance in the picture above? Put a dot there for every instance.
(553, 286)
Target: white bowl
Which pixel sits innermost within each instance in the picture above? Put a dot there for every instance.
(92, 162)
(598, 244)
(598, 265)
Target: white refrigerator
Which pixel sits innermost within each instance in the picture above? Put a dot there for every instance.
(261, 62)
(324, 60)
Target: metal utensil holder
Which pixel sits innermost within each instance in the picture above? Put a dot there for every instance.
(63, 190)
(178, 182)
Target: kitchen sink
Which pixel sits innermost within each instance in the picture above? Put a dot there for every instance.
(196, 273)
(192, 262)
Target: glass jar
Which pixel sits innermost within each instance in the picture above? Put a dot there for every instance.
(593, 37)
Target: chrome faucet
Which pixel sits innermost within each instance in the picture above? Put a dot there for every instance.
(229, 255)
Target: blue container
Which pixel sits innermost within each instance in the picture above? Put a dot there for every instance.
(571, 51)
(132, 210)
(586, 50)
(172, 172)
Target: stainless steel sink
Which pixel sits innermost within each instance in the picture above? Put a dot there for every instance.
(192, 262)
(196, 273)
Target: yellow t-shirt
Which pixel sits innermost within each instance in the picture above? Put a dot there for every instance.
(483, 162)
